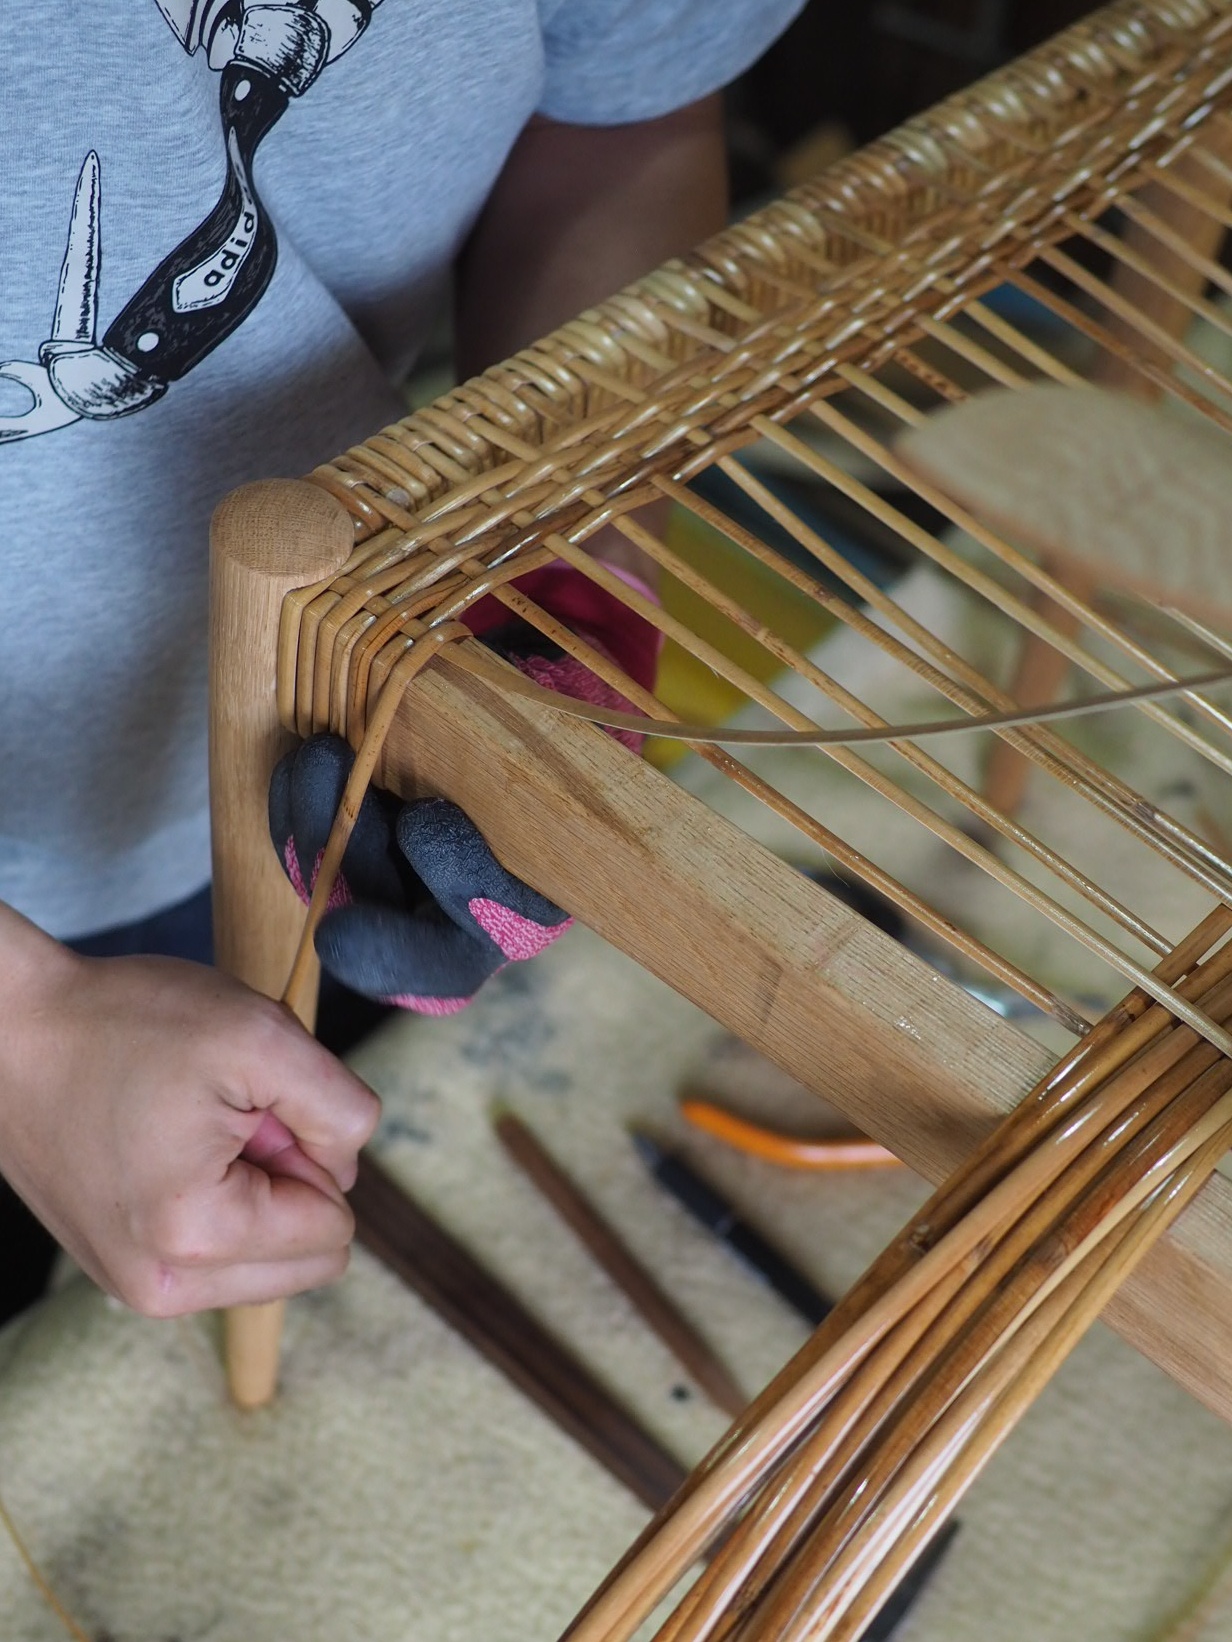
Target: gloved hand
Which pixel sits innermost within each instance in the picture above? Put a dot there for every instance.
(422, 912)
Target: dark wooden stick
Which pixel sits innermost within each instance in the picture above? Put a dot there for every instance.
(621, 1265)
(398, 1231)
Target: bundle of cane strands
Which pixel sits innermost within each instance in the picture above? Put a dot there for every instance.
(850, 1461)
(964, 401)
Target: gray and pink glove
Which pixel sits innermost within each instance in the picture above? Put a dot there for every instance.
(422, 912)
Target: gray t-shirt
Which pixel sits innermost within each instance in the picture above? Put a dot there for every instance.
(223, 230)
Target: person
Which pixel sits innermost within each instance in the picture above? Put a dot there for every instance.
(226, 227)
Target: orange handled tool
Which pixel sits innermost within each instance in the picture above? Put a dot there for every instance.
(789, 1151)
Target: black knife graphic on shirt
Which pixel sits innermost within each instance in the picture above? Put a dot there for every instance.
(213, 279)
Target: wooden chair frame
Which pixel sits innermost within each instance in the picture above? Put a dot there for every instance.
(803, 299)
(335, 603)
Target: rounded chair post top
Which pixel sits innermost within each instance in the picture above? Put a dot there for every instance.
(286, 529)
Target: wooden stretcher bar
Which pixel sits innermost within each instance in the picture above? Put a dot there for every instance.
(912, 1059)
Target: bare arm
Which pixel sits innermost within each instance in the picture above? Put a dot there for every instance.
(579, 211)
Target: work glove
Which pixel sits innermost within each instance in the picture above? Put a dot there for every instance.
(422, 912)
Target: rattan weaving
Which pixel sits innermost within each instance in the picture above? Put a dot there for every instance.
(1060, 221)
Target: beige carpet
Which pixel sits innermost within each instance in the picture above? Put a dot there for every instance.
(401, 1491)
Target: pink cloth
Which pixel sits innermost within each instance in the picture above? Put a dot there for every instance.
(595, 615)
(590, 611)
(567, 677)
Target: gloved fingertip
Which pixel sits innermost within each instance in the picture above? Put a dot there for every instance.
(456, 862)
(383, 953)
(429, 1006)
(280, 801)
(517, 937)
(321, 767)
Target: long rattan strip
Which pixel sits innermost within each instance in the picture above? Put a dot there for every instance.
(843, 1469)
(1026, 229)
(817, 331)
(793, 330)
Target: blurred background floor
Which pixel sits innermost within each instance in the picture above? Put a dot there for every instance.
(401, 1490)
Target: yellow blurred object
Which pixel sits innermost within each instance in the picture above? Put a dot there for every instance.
(686, 686)
(816, 150)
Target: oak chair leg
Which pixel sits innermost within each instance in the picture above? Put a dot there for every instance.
(1038, 676)
(1203, 234)
(265, 540)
